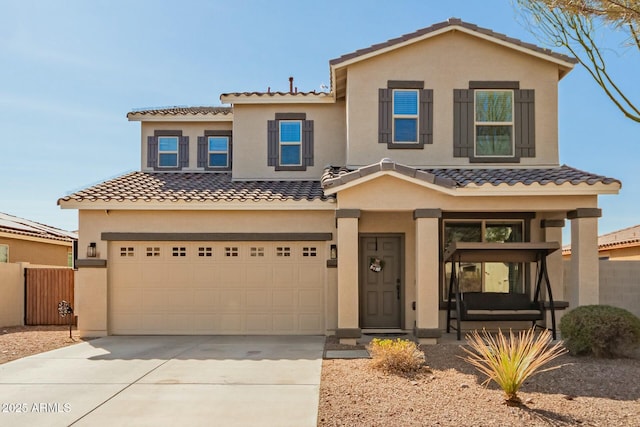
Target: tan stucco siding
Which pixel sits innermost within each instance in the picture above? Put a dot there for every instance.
(190, 129)
(387, 193)
(94, 223)
(56, 253)
(250, 139)
(445, 63)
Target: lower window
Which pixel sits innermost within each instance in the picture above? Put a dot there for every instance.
(506, 277)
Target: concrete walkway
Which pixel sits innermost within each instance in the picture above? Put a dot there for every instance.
(166, 381)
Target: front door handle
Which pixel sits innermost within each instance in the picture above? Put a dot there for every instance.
(398, 290)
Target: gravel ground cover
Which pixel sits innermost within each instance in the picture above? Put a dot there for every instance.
(21, 341)
(584, 392)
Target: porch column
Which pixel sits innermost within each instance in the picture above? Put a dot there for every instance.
(552, 229)
(348, 324)
(427, 329)
(585, 273)
(553, 233)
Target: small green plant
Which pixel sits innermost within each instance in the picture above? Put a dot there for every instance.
(510, 361)
(395, 356)
(600, 330)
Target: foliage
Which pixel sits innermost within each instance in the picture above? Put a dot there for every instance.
(601, 330)
(576, 24)
(395, 356)
(510, 361)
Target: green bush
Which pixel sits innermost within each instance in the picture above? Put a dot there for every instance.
(600, 330)
(395, 356)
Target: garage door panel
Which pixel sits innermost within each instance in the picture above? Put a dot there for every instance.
(259, 274)
(258, 299)
(259, 323)
(285, 276)
(205, 300)
(216, 288)
(310, 299)
(231, 300)
(284, 299)
(127, 299)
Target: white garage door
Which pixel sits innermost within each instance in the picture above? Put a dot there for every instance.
(216, 288)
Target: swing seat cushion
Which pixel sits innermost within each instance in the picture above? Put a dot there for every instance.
(487, 306)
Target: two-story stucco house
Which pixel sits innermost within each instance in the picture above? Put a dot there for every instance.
(321, 213)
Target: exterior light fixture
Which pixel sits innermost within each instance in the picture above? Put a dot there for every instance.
(91, 250)
(334, 252)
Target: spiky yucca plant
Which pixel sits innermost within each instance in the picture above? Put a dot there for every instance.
(510, 361)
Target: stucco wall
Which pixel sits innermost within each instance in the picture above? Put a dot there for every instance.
(191, 129)
(619, 283)
(250, 139)
(37, 252)
(12, 292)
(445, 63)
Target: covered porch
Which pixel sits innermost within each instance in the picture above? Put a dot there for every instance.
(397, 219)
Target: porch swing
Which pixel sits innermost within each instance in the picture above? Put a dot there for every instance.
(497, 306)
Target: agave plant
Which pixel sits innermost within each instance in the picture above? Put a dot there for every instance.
(510, 361)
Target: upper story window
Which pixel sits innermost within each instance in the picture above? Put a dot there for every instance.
(167, 150)
(215, 150)
(494, 123)
(290, 142)
(405, 114)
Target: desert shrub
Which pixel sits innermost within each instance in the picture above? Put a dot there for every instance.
(600, 330)
(395, 356)
(510, 361)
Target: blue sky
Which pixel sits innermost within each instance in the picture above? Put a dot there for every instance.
(72, 69)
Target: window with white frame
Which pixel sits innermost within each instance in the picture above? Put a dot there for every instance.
(4, 253)
(405, 115)
(494, 123)
(168, 151)
(290, 144)
(218, 151)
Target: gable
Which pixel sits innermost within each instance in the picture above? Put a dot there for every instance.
(563, 63)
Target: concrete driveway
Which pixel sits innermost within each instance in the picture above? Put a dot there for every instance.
(167, 380)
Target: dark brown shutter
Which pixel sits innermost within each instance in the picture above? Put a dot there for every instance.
(152, 152)
(385, 115)
(307, 142)
(463, 123)
(202, 152)
(524, 134)
(426, 116)
(183, 152)
(272, 143)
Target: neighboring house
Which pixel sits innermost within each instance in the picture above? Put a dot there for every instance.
(22, 240)
(236, 224)
(619, 245)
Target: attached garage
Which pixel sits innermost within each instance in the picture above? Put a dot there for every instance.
(216, 287)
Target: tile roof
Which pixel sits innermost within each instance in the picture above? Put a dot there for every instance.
(459, 178)
(624, 237)
(196, 187)
(24, 227)
(450, 23)
(269, 93)
(181, 111)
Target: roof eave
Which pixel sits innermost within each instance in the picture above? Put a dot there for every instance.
(159, 117)
(197, 205)
(276, 98)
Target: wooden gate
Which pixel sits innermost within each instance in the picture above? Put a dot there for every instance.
(44, 288)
